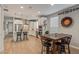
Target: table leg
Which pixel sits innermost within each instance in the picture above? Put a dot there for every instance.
(53, 47)
(47, 50)
(62, 49)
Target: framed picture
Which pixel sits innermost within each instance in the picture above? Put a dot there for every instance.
(66, 21)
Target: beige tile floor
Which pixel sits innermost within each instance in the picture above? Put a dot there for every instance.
(31, 46)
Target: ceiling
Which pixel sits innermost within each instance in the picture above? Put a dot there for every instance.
(33, 9)
(57, 7)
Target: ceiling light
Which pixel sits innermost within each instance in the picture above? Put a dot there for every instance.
(21, 7)
(38, 11)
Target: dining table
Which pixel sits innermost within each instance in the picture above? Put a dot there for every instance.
(53, 38)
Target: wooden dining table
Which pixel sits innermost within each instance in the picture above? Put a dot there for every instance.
(54, 38)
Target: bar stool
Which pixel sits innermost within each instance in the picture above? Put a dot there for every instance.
(25, 35)
(19, 35)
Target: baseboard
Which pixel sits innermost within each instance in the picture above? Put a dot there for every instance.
(74, 47)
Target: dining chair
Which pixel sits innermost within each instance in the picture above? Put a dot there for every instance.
(42, 42)
(64, 44)
(45, 45)
(67, 42)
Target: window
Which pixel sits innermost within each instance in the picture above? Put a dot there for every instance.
(54, 22)
(54, 25)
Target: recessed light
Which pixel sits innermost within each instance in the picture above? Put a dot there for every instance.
(21, 7)
(38, 11)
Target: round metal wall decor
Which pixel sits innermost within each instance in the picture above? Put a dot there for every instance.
(66, 21)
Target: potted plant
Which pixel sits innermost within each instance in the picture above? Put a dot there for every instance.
(47, 32)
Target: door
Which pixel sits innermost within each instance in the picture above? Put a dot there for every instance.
(32, 28)
(10, 27)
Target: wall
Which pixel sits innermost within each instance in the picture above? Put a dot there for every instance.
(1, 31)
(10, 27)
(73, 29)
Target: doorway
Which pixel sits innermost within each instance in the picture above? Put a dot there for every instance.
(10, 28)
(32, 27)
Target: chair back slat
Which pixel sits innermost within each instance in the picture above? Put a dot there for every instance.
(67, 39)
